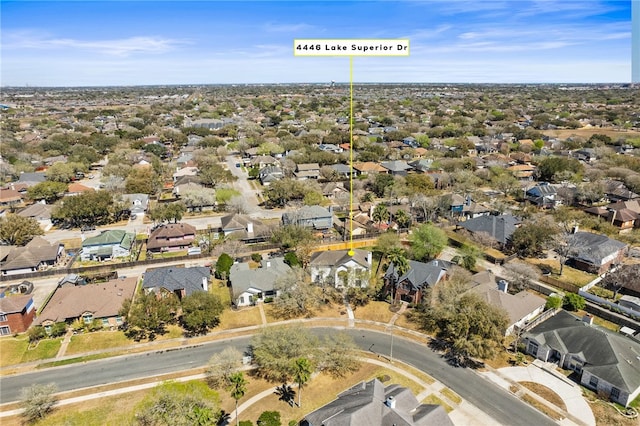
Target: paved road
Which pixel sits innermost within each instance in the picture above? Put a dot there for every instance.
(497, 403)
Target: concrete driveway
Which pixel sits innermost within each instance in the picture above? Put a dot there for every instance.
(570, 393)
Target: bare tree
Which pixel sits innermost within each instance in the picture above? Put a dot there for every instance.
(520, 275)
(221, 366)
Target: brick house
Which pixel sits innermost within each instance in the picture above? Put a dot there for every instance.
(171, 237)
(16, 314)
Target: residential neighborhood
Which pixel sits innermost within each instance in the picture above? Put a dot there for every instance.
(504, 231)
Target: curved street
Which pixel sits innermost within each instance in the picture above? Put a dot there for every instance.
(471, 386)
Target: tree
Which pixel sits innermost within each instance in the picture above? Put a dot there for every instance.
(213, 174)
(520, 275)
(60, 172)
(275, 349)
(47, 191)
(95, 207)
(200, 312)
(148, 315)
(237, 387)
(291, 236)
(470, 254)
(196, 199)
(18, 230)
(380, 214)
(573, 302)
(296, 296)
(223, 266)
(532, 238)
(419, 182)
(142, 180)
(269, 418)
(553, 302)
(338, 355)
(221, 366)
(380, 184)
(427, 242)
(301, 370)
(403, 219)
(182, 404)
(38, 401)
(551, 166)
(168, 212)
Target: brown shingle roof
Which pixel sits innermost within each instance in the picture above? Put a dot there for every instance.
(13, 304)
(102, 300)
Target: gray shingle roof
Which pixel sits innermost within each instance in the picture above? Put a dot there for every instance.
(262, 279)
(593, 248)
(499, 227)
(173, 279)
(419, 274)
(338, 257)
(610, 356)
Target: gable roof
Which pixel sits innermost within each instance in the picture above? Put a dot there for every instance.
(102, 300)
(336, 258)
(610, 356)
(172, 278)
(364, 405)
(594, 248)
(14, 304)
(37, 210)
(258, 280)
(76, 187)
(238, 224)
(111, 237)
(170, 235)
(499, 227)
(420, 274)
(37, 251)
(396, 165)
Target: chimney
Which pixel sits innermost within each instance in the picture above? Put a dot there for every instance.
(587, 319)
(205, 284)
(249, 227)
(268, 264)
(369, 258)
(390, 402)
(503, 286)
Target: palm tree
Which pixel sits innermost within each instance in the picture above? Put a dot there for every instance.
(238, 387)
(402, 219)
(398, 257)
(302, 370)
(380, 214)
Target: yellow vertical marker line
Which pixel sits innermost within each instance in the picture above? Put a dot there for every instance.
(350, 215)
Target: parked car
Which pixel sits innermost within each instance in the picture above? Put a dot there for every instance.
(86, 228)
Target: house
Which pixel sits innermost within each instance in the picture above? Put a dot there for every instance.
(262, 161)
(333, 190)
(329, 147)
(410, 286)
(185, 171)
(9, 197)
(88, 303)
(244, 228)
(372, 403)
(499, 227)
(520, 308)
(40, 212)
(343, 170)
(32, 179)
(171, 237)
(177, 280)
(108, 245)
(138, 203)
(249, 286)
(269, 174)
(16, 314)
(37, 255)
(76, 188)
(340, 269)
(396, 167)
(524, 172)
(350, 227)
(421, 166)
(623, 218)
(544, 195)
(369, 168)
(595, 253)
(315, 217)
(605, 361)
(307, 171)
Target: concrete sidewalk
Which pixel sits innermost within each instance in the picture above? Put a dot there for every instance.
(577, 407)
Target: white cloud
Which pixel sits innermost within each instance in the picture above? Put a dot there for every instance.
(116, 47)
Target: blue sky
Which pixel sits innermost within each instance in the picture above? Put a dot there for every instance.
(94, 43)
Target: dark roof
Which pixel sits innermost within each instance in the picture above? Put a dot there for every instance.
(593, 248)
(171, 235)
(499, 227)
(396, 165)
(364, 405)
(173, 278)
(420, 274)
(610, 356)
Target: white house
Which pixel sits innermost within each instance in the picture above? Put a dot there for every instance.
(254, 285)
(341, 269)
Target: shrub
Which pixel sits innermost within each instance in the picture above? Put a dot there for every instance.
(58, 329)
(256, 257)
(269, 418)
(291, 259)
(268, 299)
(553, 302)
(573, 302)
(245, 423)
(38, 401)
(36, 333)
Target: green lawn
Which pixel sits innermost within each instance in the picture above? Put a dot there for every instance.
(219, 288)
(16, 350)
(97, 340)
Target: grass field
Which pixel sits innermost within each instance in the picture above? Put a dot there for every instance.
(587, 132)
(569, 275)
(244, 317)
(15, 350)
(374, 311)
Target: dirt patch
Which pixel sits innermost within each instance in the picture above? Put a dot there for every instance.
(545, 393)
(605, 414)
(587, 132)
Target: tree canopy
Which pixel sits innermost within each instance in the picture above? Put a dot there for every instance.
(148, 316)
(200, 312)
(18, 230)
(95, 207)
(427, 241)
